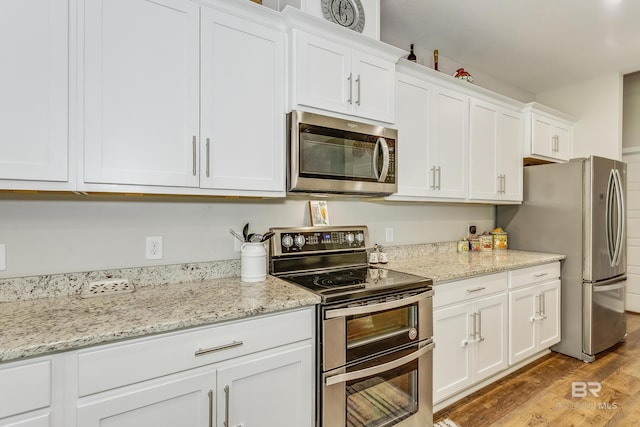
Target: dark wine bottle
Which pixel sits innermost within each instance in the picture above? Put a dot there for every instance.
(412, 56)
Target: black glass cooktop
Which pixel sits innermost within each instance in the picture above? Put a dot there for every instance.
(359, 282)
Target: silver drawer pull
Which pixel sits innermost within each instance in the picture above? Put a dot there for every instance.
(202, 352)
(540, 275)
(479, 288)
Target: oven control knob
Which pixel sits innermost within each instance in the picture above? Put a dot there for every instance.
(287, 241)
(360, 237)
(413, 333)
(349, 237)
(299, 240)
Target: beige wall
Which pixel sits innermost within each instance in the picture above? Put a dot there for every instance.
(597, 106)
(46, 234)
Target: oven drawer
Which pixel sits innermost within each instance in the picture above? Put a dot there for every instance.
(382, 390)
(467, 289)
(115, 365)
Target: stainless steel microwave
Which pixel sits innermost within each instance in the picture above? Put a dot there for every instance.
(332, 155)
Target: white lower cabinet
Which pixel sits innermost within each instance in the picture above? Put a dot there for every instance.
(534, 310)
(252, 372)
(470, 336)
(181, 399)
(270, 390)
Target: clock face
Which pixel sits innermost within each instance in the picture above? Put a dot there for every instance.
(347, 13)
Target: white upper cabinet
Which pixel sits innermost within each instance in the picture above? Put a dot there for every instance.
(549, 133)
(183, 99)
(141, 92)
(496, 137)
(34, 88)
(242, 142)
(335, 77)
(449, 147)
(413, 110)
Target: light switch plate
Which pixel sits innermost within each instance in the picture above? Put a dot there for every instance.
(3, 257)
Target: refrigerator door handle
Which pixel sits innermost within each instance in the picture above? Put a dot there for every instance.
(621, 217)
(611, 249)
(607, 288)
(608, 284)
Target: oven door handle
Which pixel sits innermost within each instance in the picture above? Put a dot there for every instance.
(372, 308)
(374, 370)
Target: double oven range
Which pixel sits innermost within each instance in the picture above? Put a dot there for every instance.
(375, 328)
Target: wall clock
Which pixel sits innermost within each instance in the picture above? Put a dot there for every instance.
(347, 13)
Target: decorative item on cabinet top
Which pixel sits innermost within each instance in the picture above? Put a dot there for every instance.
(362, 16)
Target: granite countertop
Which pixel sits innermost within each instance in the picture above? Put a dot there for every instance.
(448, 266)
(41, 326)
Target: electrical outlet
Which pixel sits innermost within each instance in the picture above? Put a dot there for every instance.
(154, 247)
(472, 229)
(3, 257)
(389, 234)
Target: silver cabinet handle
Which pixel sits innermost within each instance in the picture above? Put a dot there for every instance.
(210, 408)
(439, 178)
(208, 157)
(349, 79)
(193, 148)
(202, 352)
(358, 81)
(480, 337)
(475, 326)
(543, 305)
(433, 178)
(374, 370)
(352, 311)
(539, 275)
(478, 289)
(226, 406)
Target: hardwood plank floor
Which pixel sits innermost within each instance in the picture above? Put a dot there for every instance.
(540, 394)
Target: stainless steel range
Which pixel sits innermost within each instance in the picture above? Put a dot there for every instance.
(375, 328)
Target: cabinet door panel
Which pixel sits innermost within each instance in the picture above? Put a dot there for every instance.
(268, 391)
(181, 401)
(451, 357)
(522, 336)
(324, 73)
(563, 133)
(509, 154)
(243, 120)
(374, 91)
(34, 90)
(541, 138)
(413, 121)
(491, 356)
(549, 327)
(483, 135)
(141, 92)
(449, 145)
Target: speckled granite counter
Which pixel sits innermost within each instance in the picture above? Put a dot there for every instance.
(444, 266)
(36, 327)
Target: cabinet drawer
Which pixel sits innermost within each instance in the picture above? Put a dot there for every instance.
(532, 275)
(115, 365)
(463, 290)
(24, 387)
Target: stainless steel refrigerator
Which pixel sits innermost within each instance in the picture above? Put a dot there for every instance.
(578, 209)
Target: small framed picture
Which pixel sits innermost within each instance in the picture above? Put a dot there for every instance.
(319, 212)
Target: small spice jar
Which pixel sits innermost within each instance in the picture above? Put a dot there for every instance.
(474, 244)
(486, 242)
(463, 245)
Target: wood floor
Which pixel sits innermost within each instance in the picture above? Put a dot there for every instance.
(541, 394)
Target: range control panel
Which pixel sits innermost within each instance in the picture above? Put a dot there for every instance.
(318, 239)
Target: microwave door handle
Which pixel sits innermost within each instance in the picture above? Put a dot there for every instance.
(374, 370)
(381, 175)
